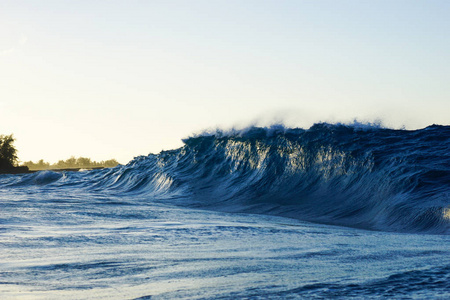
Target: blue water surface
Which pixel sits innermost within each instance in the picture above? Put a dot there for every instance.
(266, 213)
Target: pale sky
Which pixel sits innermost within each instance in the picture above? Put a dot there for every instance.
(117, 79)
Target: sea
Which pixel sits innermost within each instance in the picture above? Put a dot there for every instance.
(335, 211)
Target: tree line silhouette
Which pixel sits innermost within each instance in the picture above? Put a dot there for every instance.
(9, 160)
(71, 163)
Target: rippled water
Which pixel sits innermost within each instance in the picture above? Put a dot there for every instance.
(75, 245)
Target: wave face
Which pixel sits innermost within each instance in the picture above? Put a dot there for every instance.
(357, 176)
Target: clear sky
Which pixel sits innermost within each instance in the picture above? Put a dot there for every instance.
(117, 79)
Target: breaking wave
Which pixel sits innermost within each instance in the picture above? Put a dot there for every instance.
(359, 176)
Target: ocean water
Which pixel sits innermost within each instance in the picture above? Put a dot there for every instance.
(335, 211)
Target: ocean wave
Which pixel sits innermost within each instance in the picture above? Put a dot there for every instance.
(356, 175)
(351, 175)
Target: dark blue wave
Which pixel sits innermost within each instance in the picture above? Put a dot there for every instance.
(357, 176)
(366, 177)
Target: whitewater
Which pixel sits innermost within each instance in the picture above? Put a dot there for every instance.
(333, 211)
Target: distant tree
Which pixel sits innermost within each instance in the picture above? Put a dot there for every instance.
(110, 163)
(83, 162)
(29, 164)
(71, 162)
(61, 164)
(8, 153)
(42, 165)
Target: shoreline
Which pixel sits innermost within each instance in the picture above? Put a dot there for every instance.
(26, 170)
